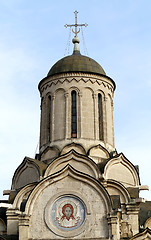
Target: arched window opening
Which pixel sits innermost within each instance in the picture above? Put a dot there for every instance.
(49, 118)
(100, 115)
(73, 114)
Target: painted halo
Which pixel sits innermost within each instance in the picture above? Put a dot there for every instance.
(67, 213)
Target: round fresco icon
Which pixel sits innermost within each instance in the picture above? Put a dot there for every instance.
(68, 213)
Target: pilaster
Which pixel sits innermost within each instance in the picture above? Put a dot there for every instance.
(53, 116)
(23, 227)
(112, 108)
(79, 127)
(12, 221)
(67, 115)
(132, 212)
(105, 118)
(95, 113)
(114, 230)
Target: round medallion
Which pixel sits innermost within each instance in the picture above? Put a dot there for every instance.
(67, 213)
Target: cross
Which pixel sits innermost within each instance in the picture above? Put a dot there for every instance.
(76, 25)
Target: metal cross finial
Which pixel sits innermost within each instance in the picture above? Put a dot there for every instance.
(76, 25)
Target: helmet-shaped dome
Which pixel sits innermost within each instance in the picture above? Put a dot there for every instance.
(76, 63)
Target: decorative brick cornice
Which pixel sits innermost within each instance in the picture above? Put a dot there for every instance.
(54, 80)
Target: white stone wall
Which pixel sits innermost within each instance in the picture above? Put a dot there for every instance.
(95, 225)
(59, 115)
(87, 114)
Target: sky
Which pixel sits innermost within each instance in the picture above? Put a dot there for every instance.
(33, 38)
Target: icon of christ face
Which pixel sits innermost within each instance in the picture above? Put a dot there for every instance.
(67, 211)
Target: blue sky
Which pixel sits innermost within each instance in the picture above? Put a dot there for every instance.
(33, 38)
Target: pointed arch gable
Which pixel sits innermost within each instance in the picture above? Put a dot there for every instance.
(121, 169)
(145, 235)
(148, 223)
(76, 160)
(75, 146)
(49, 153)
(67, 172)
(98, 153)
(27, 172)
(70, 183)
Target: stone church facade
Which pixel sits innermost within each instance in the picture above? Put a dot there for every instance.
(78, 186)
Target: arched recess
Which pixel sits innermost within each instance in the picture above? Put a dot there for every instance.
(87, 114)
(100, 115)
(22, 194)
(116, 188)
(122, 170)
(59, 114)
(73, 118)
(74, 114)
(76, 160)
(68, 181)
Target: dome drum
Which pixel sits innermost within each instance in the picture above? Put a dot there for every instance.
(56, 120)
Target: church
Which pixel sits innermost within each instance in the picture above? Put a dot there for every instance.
(78, 186)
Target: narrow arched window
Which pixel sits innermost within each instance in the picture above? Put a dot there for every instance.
(73, 114)
(100, 115)
(49, 118)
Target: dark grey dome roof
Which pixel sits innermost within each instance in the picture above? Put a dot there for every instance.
(76, 63)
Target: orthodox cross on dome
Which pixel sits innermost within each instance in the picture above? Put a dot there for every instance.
(76, 25)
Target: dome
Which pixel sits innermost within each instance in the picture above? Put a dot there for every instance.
(76, 63)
